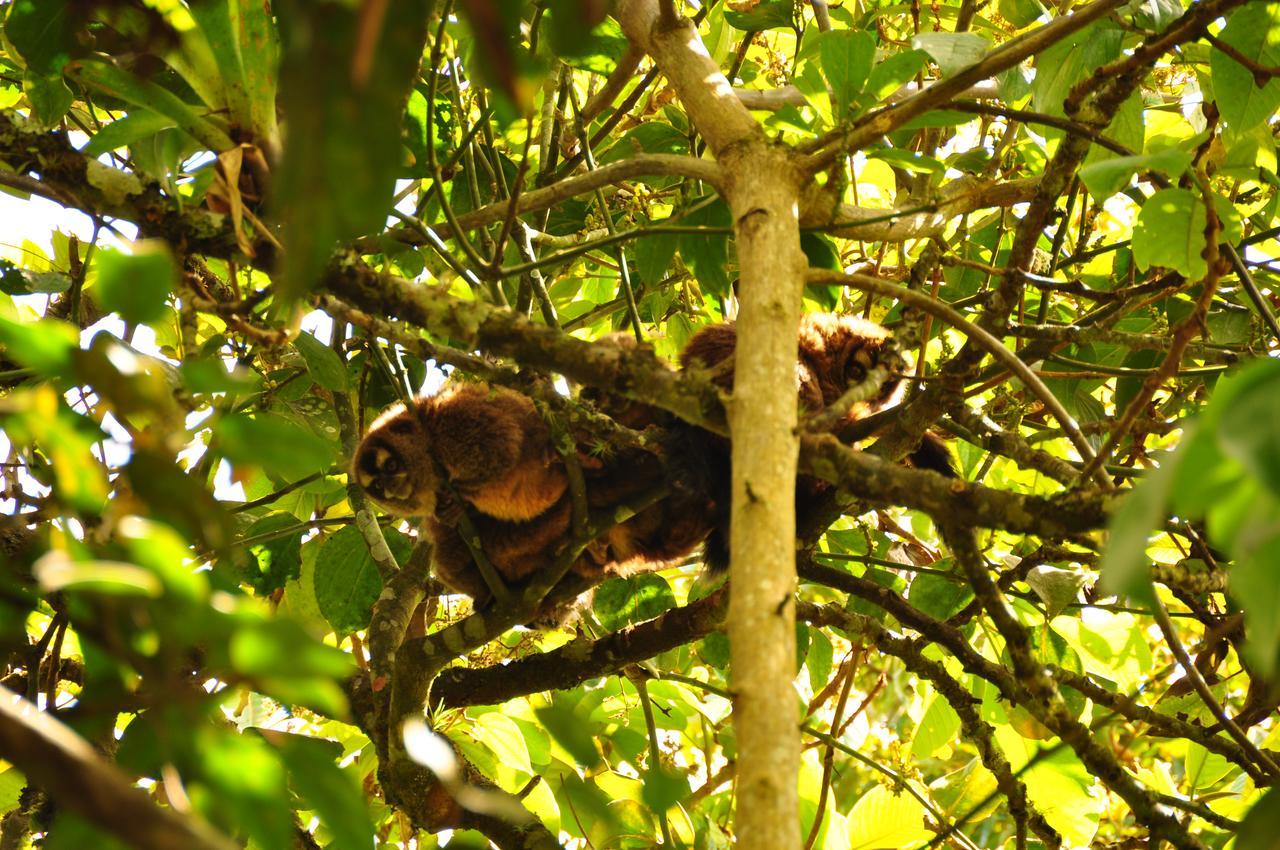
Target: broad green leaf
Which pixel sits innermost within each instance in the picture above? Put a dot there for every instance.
(323, 362)
(1204, 769)
(1124, 562)
(500, 734)
(1070, 60)
(137, 125)
(273, 443)
(136, 285)
(47, 346)
(1020, 13)
(177, 498)
(847, 57)
(212, 376)
(1103, 179)
(622, 601)
(653, 256)
(1170, 231)
(1253, 30)
(937, 731)
(276, 561)
(1057, 587)
(329, 791)
(248, 783)
(105, 76)
(769, 15)
(1246, 430)
(938, 596)
(278, 649)
(38, 418)
(884, 819)
(1255, 581)
(347, 580)
(953, 51)
(44, 33)
(16, 281)
(342, 151)
(897, 69)
(819, 659)
(663, 788)
(571, 728)
(1261, 827)
(50, 98)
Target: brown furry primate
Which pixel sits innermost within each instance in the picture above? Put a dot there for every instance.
(487, 451)
(835, 353)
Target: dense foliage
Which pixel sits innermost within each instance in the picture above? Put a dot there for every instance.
(238, 230)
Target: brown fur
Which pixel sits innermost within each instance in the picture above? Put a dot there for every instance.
(486, 450)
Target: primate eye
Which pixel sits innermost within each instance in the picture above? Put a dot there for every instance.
(390, 465)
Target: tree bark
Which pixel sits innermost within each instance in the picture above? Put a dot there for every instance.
(761, 183)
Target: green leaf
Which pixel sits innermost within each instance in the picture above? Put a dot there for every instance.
(653, 256)
(622, 601)
(1246, 431)
(769, 15)
(248, 782)
(663, 788)
(137, 125)
(273, 443)
(1065, 63)
(324, 364)
(910, 161)
(50, 98)
(708, 255)
(177, 498)
(1124, 562)
(1020, 13)
(1260, 829)
(937, 730)
(104, 76)
(136, 285)
(1253, 30)
(504, 738)
(212, 376)
(1170, 231)
(347, 580)
(47, 345)
(938, 596)
(572, 729)
(953, 51)
(333, 793)
(1107, 177)
(1255, 581)
(39, 417)
(846, 57)
(1057, 587)
(342, 152)
(16, 281)
(278, 560)
(44, 33)
(884, 819)
(899, 68)
(1204, 769)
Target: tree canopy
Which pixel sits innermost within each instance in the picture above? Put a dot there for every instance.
(237, 230)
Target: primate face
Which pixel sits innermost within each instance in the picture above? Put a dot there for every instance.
(394, 466)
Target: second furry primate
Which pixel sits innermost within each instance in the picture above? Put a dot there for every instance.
(835, 354)
(487, 451)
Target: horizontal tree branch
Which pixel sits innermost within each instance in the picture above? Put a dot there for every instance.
(577, 662)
